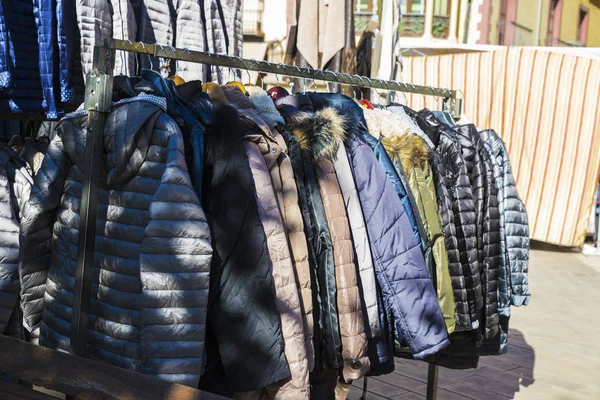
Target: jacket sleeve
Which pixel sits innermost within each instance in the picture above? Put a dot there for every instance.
(9, 253)
(37, 221)
(175, 261)
(517, 238)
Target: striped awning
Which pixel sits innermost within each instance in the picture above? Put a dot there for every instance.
(546, 107)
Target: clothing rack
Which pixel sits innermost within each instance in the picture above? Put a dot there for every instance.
(98, 100)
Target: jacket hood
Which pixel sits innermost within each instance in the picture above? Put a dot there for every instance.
(127, 134)
(319, 133)
(410, 149)
(265, 106)
(300, 101)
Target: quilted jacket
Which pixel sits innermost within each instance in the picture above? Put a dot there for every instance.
(151, 278)
(319, 136)
(327, 341)
(485, 194)
(457, 181)
(20, 84)
(407, 288)
(265, 152)
(95, 23)
(245, 340)
(69, 53)
(413, 153)
(288, 198)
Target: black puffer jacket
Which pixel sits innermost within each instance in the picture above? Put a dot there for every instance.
(485, 192)
(151, 265)
(456, 180)
(327, 339)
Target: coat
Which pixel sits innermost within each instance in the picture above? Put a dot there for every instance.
(241, 257)
(95, 25)
(401, 271)
(457, 181)
(327, 341)
(485, 193)
(265, 153)
(287, 191)
(20, 74)
(413, 153)
(319, 136)
(69, 53)
(150, 283)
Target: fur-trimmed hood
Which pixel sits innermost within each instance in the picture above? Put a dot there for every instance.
(410, 149)
(319, 133)
(384, 123)
(265, 105)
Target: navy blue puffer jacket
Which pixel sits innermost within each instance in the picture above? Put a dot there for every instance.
(148, 303)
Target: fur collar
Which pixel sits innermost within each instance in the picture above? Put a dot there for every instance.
(410, 149)
(319, 133)
(264, 104)
(384, 123)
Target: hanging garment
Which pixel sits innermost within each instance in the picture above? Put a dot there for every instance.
(463, 206)
(250, 345)
(384, 124)
(95, 23)
(292, 215)
(44, 12)
(362, 248)
(398, 260)
(414, 155)
(485, 195)
(69, 53)
(190, 33)
(327, 333)
(319, 135)
(265, 154)
(125, 28)
(150, 283)
(20, 81)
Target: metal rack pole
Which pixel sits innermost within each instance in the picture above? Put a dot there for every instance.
(98, 96)
(453, 104)
(432, 382)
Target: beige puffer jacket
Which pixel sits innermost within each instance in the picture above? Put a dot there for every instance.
(263, 153)
(287, 194)
(319, 134)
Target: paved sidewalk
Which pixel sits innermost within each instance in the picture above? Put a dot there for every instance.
(554, 344)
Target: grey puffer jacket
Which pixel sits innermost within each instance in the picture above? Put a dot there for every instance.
(95, 23)
(15, 186)
(516, 229)
(152, 253)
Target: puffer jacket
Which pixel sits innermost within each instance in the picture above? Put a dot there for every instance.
(413, 153)
(362, 248)
(20, 86)
(190, 23)
(517, 233)
(319, 135)
(485, 193)
(95, 23)
(9, 253)
(69, 53)
(150, 281)
(456, 179)
(382, 124)
(288, 197)
(401, 271)
(125, 28)
(245, 340)
(264, 154)
(45, 19)
(327, 341)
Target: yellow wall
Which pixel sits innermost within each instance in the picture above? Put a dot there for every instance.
(570, 20)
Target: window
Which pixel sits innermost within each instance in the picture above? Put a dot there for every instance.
(412, 7)
(582, 26)
(364, 6)
(554, 22)
(441, 7)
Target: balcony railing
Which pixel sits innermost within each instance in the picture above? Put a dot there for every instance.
(440, 26)
(252, 17)
(412, 25)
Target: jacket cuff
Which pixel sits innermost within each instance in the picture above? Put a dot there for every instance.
(432, 350)
(520, 300)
